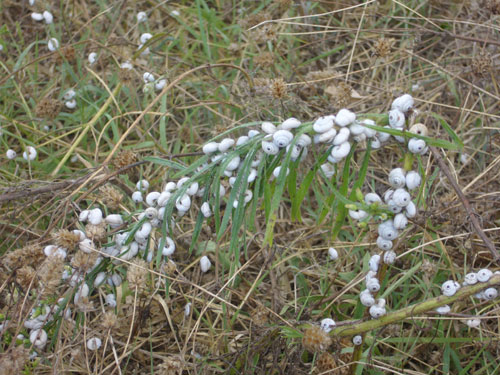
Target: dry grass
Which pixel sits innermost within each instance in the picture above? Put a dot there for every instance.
(305, 59)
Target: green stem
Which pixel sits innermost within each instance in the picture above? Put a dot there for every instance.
(408, 162)
(357, 328)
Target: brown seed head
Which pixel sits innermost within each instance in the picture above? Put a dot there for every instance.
(278, 88)
(111, 197)
(65, 238)
(137, 274)
(383, 47)
(48, 108)
(482, 64)
(97, 233)
(30, 255)
(109, 320)
(26, 277)
(50, 275)
(315, 339)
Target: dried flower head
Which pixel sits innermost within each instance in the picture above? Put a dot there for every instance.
(13, 361)
(84, 304)
(264, 60)
(340, 94)
(109, 320)
(278, 88)
(66, 238)
(97, 233)
(315, 339)
(493, 6)
(111, 197)
(265, 33)
(83, 261)
(50, 273)
(124, 159)
(260, 316)
(326, 364)
(481, 64)
(137, 274)
(26, 277)
(28, 255)
(66, 53)
(383, 47)
(254, 19)
(48, 108)
(170, 366)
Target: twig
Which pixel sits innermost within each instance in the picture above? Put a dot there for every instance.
(466, 204)
(357, 328)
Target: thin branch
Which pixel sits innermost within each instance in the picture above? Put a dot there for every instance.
(470, 211)
(356, 328)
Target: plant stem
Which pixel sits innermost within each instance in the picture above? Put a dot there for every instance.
(357, 328)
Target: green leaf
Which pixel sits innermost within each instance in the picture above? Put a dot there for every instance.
(448, 129)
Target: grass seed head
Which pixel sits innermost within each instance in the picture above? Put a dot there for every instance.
(137, 274)
(26, 277)
(50, 275)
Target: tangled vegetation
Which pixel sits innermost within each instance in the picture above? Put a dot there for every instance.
(205, 187)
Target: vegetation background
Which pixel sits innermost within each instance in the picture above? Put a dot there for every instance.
(231, 63)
